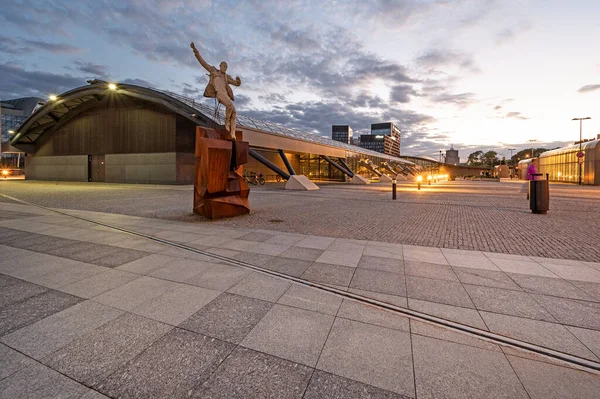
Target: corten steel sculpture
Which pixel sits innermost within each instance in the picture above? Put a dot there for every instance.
(220, 191)
(218, 87)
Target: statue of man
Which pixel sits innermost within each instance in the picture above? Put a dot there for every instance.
(218, 86)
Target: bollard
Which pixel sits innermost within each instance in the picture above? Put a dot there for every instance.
(418, 185)
(394, 189)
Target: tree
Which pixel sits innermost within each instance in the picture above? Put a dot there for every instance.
(489, 158)
(475, 158)
(526, 154)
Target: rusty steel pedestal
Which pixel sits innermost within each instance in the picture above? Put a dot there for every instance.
(220, 191)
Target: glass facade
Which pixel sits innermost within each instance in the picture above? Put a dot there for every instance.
(316, 168)
(10, 122)
(562, 164)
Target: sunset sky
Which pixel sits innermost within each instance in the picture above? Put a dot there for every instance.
(480, 74)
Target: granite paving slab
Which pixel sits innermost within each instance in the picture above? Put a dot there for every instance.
(382, 264)
(174, 307)
(99, 283)
(93, 357)
(379, 281)
(174, 366)
(136, 292)
(471, 262)
(487, 278)
(290, 333)
(440, 291)
(329, 274)
(315, 242)
(288, 266)
(228, 317)
(550, 286)
(261, 286)
(370, 354)
(250, 374)
(549, 335)
(469, 317)
(590, 338)
(147, 264)
(347, 258)
(181, 270)
(307, 254)
(572, 312)
(38, 381)
(330, 386)
(12, 361)
(449, 370)
(30, 310)
(16, 290)
(509, 302)
(429, 270)
(253, 258)
(357, 311)
(549, 381)
(53, 332)
(445, 334)
(219, 277)
(309, 298)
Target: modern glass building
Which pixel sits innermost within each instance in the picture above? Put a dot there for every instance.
(133, 134)
(12, 114)
(563, 165)
(342, 133)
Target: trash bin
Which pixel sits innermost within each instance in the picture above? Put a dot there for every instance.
(539, 194)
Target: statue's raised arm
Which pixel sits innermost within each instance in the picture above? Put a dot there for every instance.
(206, 66)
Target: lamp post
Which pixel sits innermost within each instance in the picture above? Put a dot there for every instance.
(532, 143)
(580, 144)
(512, 163)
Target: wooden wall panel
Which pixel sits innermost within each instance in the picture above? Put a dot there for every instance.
(120, 126)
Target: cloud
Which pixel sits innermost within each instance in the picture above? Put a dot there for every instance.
(138, 82)
(588, 88)
(460, 100)
(497, 107)
(402, 93)
(94, 70)
(438, 58)
(19, 46)
(18, 82)
(515, 115)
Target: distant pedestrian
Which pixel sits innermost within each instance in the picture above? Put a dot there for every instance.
(531, 171)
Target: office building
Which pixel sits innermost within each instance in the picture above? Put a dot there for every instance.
(384, 138)
(342, 133)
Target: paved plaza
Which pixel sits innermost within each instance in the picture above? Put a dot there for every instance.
(480, 216)
(115, 302)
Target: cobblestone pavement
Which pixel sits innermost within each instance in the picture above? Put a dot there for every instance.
(483, 216)
(88, 311)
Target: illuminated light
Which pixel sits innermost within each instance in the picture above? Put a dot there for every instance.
(52, 97)
(429, 177)
(379, 136)
(11, 131)
(559, 174)
(419, 178)
(112, 86)
(5, 172)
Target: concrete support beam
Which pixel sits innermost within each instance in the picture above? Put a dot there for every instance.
(385, 179)
(300, 182)
(359, 180)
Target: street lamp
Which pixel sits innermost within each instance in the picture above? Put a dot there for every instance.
(580, 143)
(532, 142)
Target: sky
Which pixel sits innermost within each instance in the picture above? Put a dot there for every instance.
(475, 74)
